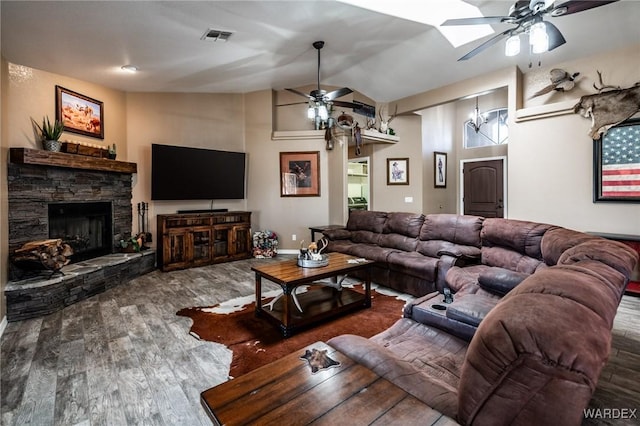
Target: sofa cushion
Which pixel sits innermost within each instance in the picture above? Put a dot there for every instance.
(616, 255)
(464, 230)
(557, 240)
(366, 237)
(413, 263)
(366, 220)
(371, 251)
(509, 259)
(408, 224)
(520, 236)
(398, 241)
(500, 281)
(470, 308)
(465, 280)
(409, 344)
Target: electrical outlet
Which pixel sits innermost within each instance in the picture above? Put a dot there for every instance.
(293, 237)
(408, 199)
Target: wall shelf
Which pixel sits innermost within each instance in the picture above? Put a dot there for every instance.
(545, 111)
(368, 136)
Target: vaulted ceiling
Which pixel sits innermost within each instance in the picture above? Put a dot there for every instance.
(381, 56)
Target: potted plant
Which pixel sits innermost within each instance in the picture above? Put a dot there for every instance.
(50, 133)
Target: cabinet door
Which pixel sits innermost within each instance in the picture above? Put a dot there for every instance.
(176, 248)
(221, 241)
(201, 248)
(241, 238)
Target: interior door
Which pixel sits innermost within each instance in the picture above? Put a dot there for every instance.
(484, 188)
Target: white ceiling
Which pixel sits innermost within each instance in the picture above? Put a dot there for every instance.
(383, 57)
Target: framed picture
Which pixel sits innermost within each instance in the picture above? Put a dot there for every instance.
(300, 174)
(397, 171)
(616, 163)
(440, 169)
(79, 114)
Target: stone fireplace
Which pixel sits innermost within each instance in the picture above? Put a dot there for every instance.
(35, 190)
(86, 202)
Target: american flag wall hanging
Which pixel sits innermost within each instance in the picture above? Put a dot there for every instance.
(617, 163)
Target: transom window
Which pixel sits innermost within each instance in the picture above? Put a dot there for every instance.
(493, 131)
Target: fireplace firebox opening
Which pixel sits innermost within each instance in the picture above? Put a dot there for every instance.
(86, 227)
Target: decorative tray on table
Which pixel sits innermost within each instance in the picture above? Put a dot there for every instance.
(311, 263)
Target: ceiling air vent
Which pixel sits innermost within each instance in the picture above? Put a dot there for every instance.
(216, 35)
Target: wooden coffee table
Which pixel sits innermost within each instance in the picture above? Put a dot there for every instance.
(318, 303)
(286, 392)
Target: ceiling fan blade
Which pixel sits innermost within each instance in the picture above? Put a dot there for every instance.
(574, 6)
(556, 38)
(338, 93)
(477, 21)
(293, 103)
(297, 92)
(493, 40)
(346, 104)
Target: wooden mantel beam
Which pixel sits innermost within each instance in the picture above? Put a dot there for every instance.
(72, 161)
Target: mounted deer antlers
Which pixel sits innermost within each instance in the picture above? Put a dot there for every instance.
(384, 124)
(609, 108)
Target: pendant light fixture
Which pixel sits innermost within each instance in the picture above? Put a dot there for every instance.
(476, 119)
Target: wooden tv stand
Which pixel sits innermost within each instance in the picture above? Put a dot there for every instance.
(186, 240)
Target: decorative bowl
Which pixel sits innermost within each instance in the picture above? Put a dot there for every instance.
(310, 263)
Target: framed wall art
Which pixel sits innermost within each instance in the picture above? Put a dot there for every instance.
(616, 163)
(397, 171)
(300, 174)
(79, 114)
(440, 169)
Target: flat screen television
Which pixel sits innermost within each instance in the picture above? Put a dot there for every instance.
(183, 173)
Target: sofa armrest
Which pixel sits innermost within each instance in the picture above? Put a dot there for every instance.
(465, 253)
(337, 234)
(500, 281)
(408, 308)
(457, 255)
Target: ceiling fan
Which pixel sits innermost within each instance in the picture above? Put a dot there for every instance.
(320, 101)
(527, 16)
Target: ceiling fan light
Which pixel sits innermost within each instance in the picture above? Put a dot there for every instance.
(538, 38)
(323, 112)
(311, 112)
(512, 46)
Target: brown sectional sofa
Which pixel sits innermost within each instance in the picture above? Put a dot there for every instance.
(537, 353)
(411, 249)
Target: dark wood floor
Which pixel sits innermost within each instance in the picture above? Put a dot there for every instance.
(124, 357)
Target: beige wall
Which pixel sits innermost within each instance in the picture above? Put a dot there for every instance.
(392, 197)
(198, 120)
(551, 158)
(31, 94)
(284, 215)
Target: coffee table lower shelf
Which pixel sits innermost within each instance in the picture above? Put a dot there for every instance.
(286, 392)
(318, 304)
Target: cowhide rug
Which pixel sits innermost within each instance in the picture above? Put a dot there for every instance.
(256, 342)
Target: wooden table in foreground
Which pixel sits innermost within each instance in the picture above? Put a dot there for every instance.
(318, 303)
(286, 392)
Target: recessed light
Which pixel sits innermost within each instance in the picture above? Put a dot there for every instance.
(129, 68)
